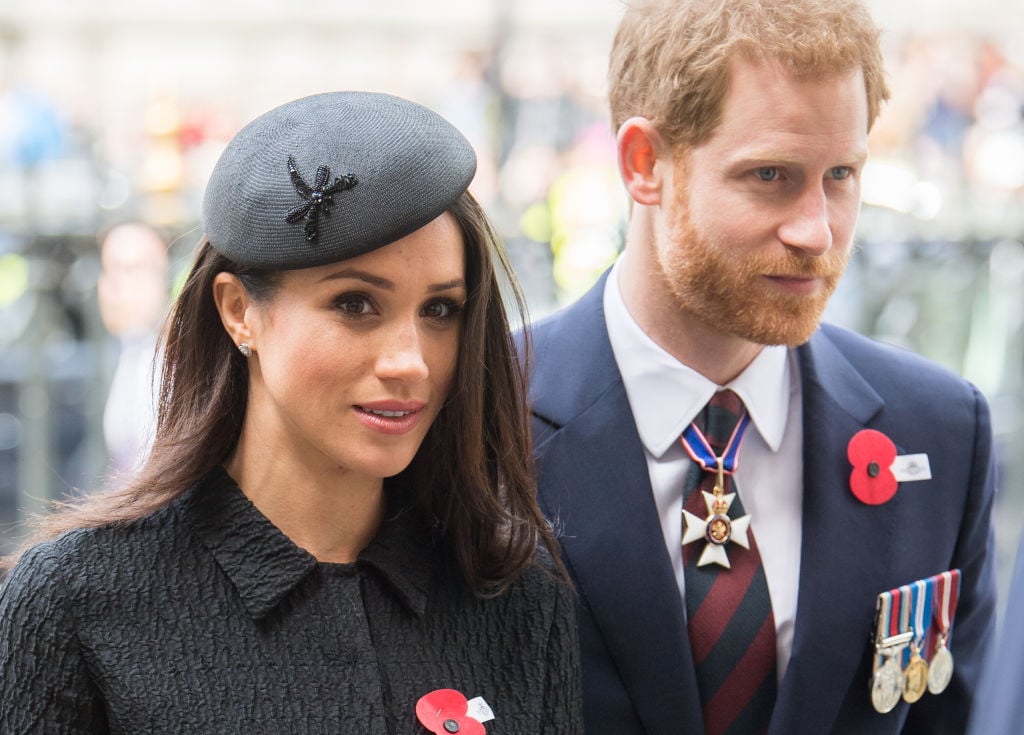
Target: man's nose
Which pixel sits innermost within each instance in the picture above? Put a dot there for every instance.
(806, 226)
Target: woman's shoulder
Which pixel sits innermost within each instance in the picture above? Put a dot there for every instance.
(143, 531)
(537, 584)
(541, 570)
(540, 584)
(83, 553)
(34, 589)
(43, 559)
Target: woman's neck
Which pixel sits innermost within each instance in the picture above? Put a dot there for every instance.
(332, 515)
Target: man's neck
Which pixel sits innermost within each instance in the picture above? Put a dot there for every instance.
(717, 356)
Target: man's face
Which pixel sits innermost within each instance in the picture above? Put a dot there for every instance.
(759, 227)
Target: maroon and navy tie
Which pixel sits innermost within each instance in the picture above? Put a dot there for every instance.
(728, 609)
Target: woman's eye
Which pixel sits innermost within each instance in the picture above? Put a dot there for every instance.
(768, 173)
(441, 310)
(353, 304)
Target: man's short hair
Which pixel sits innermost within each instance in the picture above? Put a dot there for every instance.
(670, 59)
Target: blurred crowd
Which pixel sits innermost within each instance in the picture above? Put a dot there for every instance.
(105, 123)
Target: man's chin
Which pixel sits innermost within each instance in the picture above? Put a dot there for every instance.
(786, 332)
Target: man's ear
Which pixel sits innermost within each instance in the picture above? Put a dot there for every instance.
(643, 156)
(232, 302)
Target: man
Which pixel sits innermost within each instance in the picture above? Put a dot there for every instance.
(742, 136)
(133, 292)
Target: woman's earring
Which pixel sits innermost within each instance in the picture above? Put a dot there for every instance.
(245, 349)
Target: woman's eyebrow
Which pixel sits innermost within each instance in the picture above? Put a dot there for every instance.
(381, 282)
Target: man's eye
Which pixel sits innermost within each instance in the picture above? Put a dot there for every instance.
(841, 172)
(768, 173)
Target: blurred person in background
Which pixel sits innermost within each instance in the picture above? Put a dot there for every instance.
(1003, 709)
(831, 587)
(336, 528)
(133, 291)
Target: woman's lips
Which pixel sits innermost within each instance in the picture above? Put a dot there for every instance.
(390, 417)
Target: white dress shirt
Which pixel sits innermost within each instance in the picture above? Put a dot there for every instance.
(666, 395)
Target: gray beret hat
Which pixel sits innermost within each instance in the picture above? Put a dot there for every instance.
(332, 176)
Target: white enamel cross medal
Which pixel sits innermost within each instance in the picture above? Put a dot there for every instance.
(718, 529)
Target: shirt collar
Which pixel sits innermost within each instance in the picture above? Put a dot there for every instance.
(650, 374)
(264, 565)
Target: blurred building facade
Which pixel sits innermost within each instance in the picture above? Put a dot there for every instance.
(116, 110)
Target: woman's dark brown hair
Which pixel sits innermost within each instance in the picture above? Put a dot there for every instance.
(473, 472)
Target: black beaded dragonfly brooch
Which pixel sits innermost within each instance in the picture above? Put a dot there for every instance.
(316, 199)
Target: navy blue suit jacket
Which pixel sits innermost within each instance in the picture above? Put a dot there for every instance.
(637, 671)
(1003, 682)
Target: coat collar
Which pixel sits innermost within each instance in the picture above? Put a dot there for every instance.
(264, 565)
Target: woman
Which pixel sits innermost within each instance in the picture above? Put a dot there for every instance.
(335, 530)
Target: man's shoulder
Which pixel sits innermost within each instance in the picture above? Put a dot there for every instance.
(562, 329)
(862, 350)
(569, 350)
(890, 369)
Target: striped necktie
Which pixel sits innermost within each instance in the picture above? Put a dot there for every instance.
(728, 609)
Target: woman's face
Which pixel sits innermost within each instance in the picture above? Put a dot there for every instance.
(353, 360)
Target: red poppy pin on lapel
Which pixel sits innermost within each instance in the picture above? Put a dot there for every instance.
(446, 711)
(878, 470)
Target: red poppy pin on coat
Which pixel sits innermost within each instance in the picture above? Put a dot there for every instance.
(878, 470)
(446, 711)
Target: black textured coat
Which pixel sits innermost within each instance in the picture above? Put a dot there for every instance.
(205, 618)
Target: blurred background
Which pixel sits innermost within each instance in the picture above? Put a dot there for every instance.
(114, 112)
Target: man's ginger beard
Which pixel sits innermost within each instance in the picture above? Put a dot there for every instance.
(728, 292)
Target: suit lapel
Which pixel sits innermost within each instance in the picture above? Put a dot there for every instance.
(595, 488)
(840, 565)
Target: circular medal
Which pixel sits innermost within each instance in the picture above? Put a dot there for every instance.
(915, 678)
(940, 670)
(886, 686)
(719, 529)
